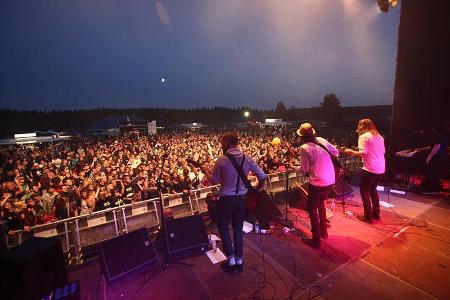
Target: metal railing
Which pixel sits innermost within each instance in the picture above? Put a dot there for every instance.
(84, 230)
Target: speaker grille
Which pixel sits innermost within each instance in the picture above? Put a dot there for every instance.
(123, 254)
(185, 233)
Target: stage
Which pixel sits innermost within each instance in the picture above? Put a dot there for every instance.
(404, 256)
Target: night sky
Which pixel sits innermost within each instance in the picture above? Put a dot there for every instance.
(72, 54)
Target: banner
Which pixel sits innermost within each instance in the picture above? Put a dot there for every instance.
(152, 127)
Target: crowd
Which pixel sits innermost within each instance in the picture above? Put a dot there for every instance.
(48, 182)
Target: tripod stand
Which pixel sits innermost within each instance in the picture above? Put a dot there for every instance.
(286, 222)
(342, 172)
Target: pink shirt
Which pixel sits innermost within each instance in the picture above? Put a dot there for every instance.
(317, 162)
(372, 147)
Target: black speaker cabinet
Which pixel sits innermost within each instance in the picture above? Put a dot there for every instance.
(267, 211)
(185, 233)
(342, 186)
(32, 269)
(126, 253)
(298, 198)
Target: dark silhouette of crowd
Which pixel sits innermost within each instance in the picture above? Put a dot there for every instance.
(48, 182)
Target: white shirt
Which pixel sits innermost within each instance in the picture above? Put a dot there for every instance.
(225, 173)
(315, 161)
(372, 147)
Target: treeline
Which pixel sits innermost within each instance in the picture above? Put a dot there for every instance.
(15, 121)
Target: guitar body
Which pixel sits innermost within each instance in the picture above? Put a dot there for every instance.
(253, 198)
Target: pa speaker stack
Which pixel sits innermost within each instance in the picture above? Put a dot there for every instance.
(32, 269)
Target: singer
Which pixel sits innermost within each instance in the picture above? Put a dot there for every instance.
(315, 159)
(371, 149)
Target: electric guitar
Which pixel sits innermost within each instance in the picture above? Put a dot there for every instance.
(253, 196)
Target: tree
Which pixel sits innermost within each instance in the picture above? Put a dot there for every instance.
(331, 109)
(280, 110)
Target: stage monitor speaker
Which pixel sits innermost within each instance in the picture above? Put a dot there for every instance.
(342, 186)
(32, 269)
(298, 198)
(185, 233)
(267, 211)
(125, 253)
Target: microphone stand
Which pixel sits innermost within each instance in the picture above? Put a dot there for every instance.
(286, 222)
(162, 223)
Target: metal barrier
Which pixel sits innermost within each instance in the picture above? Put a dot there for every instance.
(81, 231)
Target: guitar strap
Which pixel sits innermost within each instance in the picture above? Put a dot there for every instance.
(325, 148)
(239, 171)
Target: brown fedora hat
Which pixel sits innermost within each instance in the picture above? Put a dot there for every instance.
(306, 129)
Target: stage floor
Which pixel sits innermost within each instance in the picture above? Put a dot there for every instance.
(404, 256)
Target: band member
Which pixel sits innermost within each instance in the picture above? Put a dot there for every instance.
(316, 161)
(231, 203)
(436, 162)
(371, 149)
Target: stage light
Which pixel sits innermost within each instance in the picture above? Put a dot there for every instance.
(246, 114)
(384, 5)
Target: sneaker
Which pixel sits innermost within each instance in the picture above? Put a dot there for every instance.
(364, 219)
(311, 243)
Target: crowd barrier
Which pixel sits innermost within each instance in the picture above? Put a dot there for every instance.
(85, 230)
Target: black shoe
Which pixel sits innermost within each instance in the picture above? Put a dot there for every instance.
(364, 219)
(376, 218)
(310, 242)
(239, 267)
(227, 268)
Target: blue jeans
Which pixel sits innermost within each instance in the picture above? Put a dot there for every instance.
(231, 209)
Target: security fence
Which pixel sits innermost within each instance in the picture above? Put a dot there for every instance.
(85, 230)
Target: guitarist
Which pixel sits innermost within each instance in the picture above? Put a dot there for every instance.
(371, 149)
(232, 200)
(315, 159)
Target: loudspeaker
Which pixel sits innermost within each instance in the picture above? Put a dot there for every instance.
(126, 253)
(298, 198)
(266, 211)
(342, 186)
(32, 269)
(185, 233)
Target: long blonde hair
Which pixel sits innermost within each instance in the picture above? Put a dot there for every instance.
(366, 125)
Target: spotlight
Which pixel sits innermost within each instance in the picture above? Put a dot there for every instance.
(384, 5)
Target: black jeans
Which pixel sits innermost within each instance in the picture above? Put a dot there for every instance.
(433, 172)
(316, 210)
(231, 209)
(369, 194)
